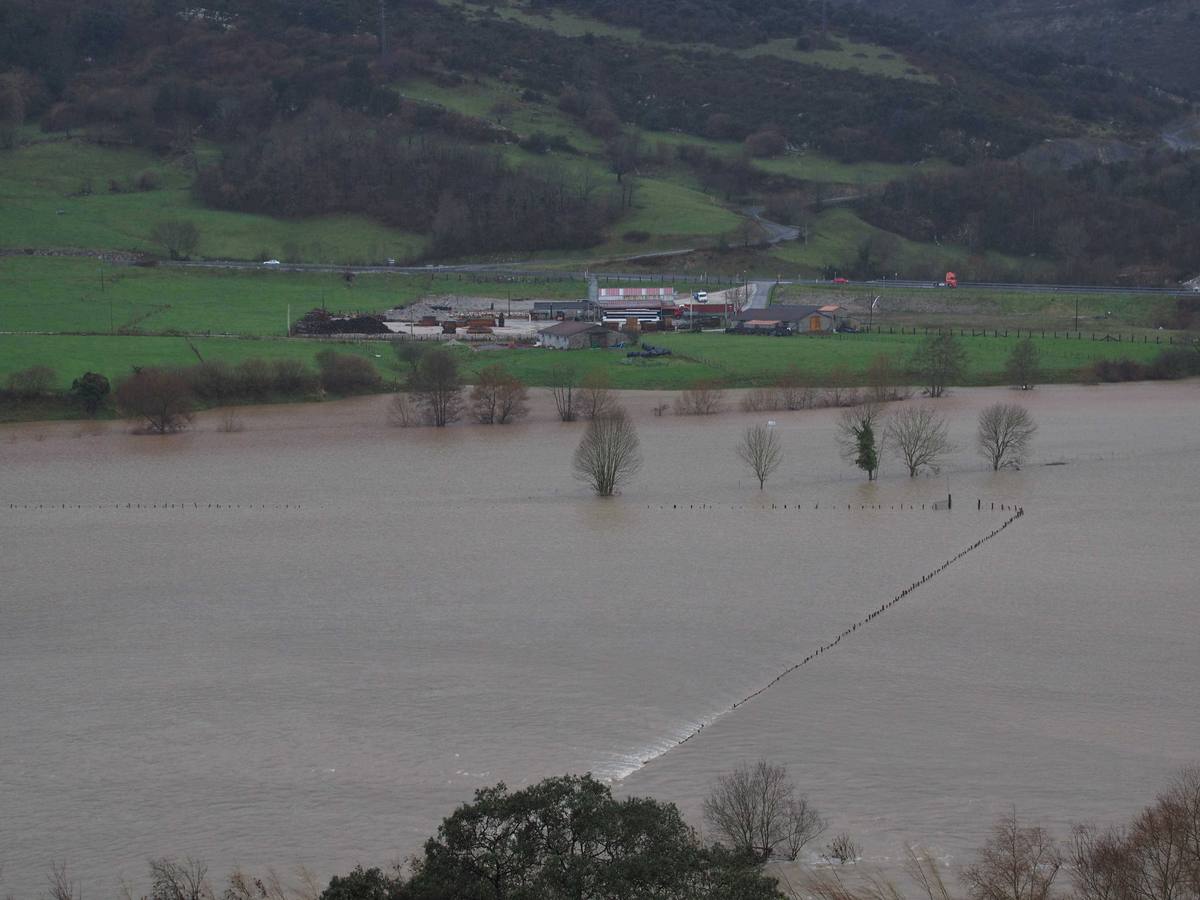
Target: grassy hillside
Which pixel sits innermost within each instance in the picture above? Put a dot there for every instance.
(837, 236)
(845, 53)
(60, 194)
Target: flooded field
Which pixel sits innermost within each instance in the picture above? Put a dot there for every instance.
(305, 642)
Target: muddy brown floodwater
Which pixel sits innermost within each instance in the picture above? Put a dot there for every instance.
(305, 642)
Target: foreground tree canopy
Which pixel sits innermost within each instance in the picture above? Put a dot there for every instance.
(568, 837)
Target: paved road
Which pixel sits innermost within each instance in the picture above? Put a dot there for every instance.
(760, 295)
(773, 232)
(531, 268)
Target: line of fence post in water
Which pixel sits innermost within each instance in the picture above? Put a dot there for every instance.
(1018, 512)
(797, 507)
(135, 506)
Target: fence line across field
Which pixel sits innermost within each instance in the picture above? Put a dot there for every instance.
(1070, 335)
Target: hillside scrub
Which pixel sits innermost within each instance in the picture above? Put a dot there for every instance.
(1097, 222)
(324, 131)
(325, 60)
(468, 199)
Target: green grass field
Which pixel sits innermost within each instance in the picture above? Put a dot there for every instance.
(501, 103)
(738, 361)
(735, 361)
(747, 361)
(984, 308)
(65, 295)
(70, 355)
(44, 203)
(486, 99)
(822, 169)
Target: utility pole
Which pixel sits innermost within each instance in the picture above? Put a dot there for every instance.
(1077, 312)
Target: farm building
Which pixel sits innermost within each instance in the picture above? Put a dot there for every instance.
(799, 319)
(563, 309)
(575, 336)
(839, 314)
(664, 295)
(645, 304)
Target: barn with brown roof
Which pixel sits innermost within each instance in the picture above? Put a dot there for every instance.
(575, 336)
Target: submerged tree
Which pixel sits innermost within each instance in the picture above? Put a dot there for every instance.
(160, 398)
(760, 450)
(564, 381)
(1155, 857)
(1017, 863)
(499, 397)
(867, 458)
(1022, 367)
(437, 387)
(609, 453)
(1005, 432)
(759, 812)
(596, 396)
(939, 362)
(918, 436)
(857, 436)
(91, 389)
(704, 398)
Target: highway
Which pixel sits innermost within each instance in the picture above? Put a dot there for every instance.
(518, 269)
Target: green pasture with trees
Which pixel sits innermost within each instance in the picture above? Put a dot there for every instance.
(734, 360)
(705, 359)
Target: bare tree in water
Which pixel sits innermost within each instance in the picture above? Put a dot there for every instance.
(919, 436)
(758, 811)
(1005, 432)
(760, 450)
(609, 453)
(564, 382)
(596, 396)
